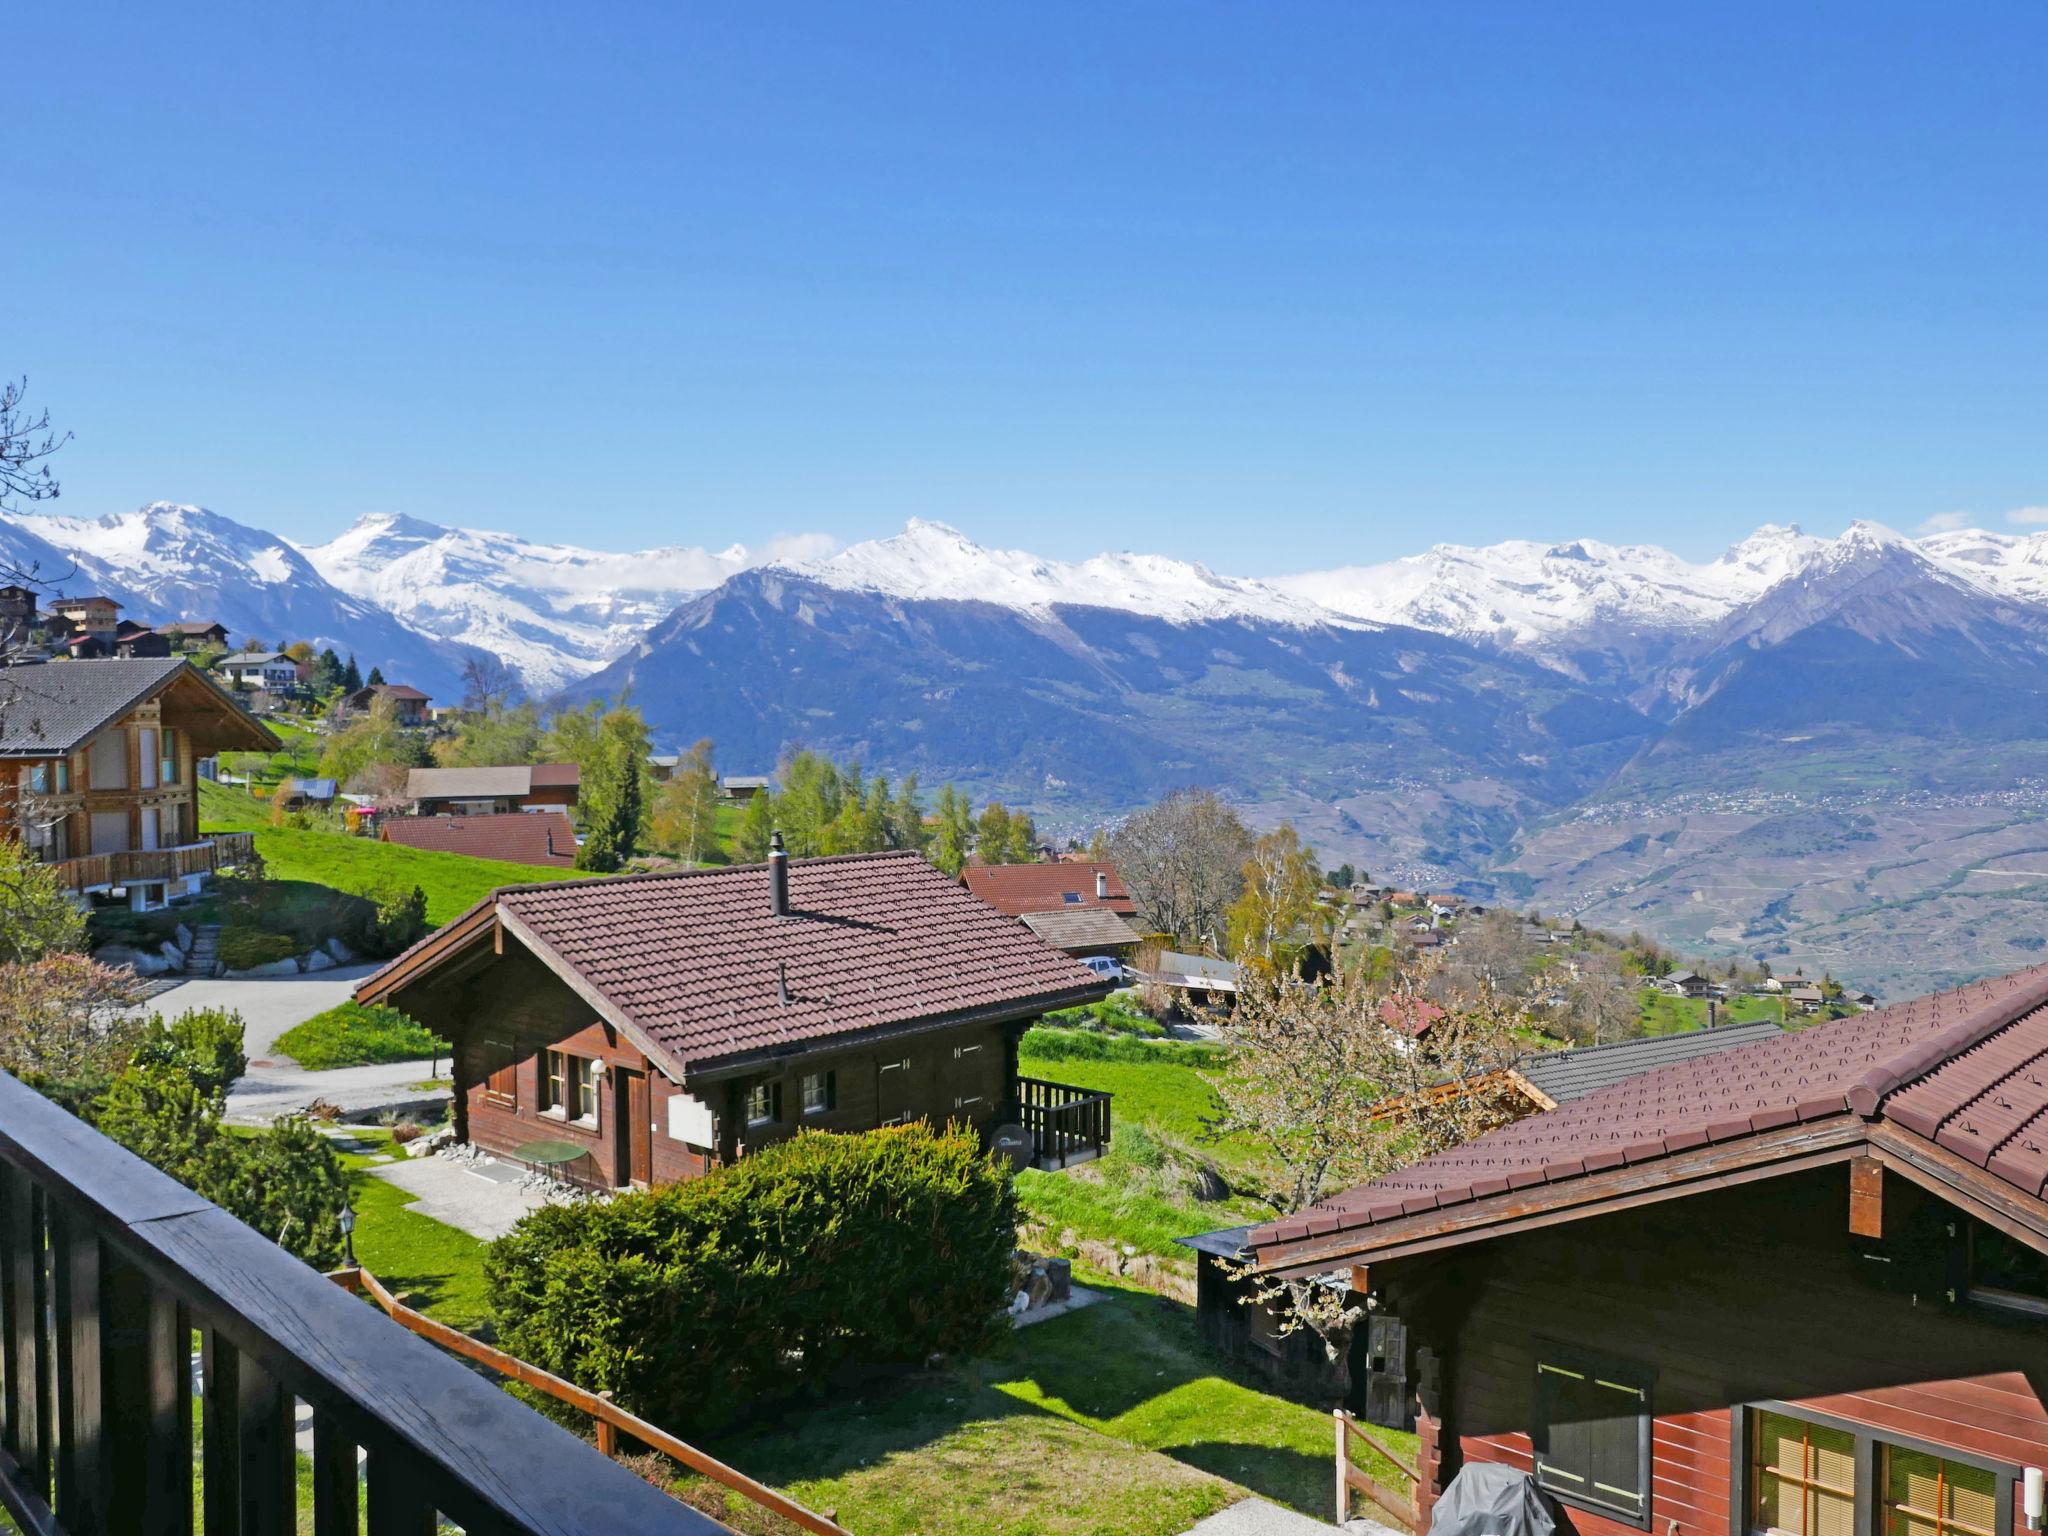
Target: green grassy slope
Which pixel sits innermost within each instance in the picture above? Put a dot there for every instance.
(452, 881)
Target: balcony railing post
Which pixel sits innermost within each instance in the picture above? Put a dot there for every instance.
(147, 1370)
(263, 1438)
(399, 1504)
(220, 1455)
(336, 1481)
(24, 1302)
(82, 1471)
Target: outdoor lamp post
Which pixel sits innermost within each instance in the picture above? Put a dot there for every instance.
(346, 1220)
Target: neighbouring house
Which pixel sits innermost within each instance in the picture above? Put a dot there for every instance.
(743, 786)
(1807, 999)
(652, 1027)
(19, 622)
(1016, 889)
(1079, 906)
(661, 766)
(272, 671)
(1686, 984)
(295, 794)
(103, 756)
(518, 837)
(1374, 1380)
(95, 616)
(492, 791)
(195, 634)
(408, 704)
(1797, 1287)
(1770, 984)
(134, 640)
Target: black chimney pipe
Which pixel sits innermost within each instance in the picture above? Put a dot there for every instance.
(778, 876)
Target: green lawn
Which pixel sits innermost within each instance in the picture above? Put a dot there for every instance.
(1116, 1419)
(364, 866)
(358, 1034)
(1664, 1014)
(438, 1269)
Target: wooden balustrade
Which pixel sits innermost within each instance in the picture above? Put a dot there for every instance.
(1351, 1476)
(1067, 1124)
(107, 1266)
(92, 870)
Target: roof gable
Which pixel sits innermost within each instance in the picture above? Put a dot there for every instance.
(1020, 888)
(58, 707)
(1965, 1070)
(696, 963)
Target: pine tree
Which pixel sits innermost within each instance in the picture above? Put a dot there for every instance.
(375, 679)
(610, 797)
(351, 679)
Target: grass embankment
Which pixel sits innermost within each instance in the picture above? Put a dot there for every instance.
(357, 1035)
(1664, 1014)
(362, 865)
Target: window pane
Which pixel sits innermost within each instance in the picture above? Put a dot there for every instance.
(1834, 1514)
(1781, 1444)
(1972, 1497)
(1926, 1495)
(1833, 1463)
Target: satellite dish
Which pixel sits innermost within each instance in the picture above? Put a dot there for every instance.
(1013, 1144)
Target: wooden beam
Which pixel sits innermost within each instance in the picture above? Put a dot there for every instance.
(1866, 1197)
(1962, 1183)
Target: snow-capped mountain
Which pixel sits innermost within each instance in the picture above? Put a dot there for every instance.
(931, 561)
(168, 560)
(553, 612)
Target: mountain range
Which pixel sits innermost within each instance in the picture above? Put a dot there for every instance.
(1779, 751)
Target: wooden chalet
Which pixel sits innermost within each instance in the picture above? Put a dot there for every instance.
(408, 704)
(493, 791)
(648, 1028)
(101, 759)
(1799, 1287)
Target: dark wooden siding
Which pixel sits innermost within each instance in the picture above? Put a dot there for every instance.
(1747, 1295)
(953, 1074)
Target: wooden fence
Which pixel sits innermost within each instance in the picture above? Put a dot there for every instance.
(612, 1420)
(1351, 1476)
(108, 1265)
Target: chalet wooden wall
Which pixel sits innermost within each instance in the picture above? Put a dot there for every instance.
(1752, 1294)
(951, 1074)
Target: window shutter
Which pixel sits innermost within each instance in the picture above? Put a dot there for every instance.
(1592, 1432)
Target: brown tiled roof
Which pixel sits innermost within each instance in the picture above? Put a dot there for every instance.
(1020, 888)
(1092, 927)
(875, 941)
(520, 837)
(1966, 1069)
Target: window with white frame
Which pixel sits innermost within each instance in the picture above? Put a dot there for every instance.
(820, 1091)
(764, 1104)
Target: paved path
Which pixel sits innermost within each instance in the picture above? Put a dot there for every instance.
(267, 1092)
(1257, 1517)
(269, 1006)
(484, 1200)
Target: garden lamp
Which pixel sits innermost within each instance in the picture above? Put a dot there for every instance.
(346, 1220)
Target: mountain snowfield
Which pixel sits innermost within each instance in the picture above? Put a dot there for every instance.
(418, 598)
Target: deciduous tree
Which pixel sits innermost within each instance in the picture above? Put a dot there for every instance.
(1276, 909)
(686, 807)
(1183, 860)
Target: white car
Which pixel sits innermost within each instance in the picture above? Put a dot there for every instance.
(1106, 967)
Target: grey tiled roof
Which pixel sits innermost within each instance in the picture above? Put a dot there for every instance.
(1568, 1075)
(1081, 928)
(54, 708)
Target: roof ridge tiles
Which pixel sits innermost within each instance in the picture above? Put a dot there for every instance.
(2028, 991)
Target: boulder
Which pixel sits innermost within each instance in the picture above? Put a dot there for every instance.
(174, 957)
(1210, 1185)
(274, 968)
(1061, 1273)
(183, 935)
(339, 952)
(141, 962)
(319, 960)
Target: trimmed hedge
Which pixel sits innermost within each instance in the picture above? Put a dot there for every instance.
(695, 1302)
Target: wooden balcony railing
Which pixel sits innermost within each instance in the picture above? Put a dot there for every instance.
(108, 1265)
(1066, 1124)
(92, 870)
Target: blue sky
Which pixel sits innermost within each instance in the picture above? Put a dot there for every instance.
(1272, 286)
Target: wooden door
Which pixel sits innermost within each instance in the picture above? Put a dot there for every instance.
(893, 1092)
(634, 1153)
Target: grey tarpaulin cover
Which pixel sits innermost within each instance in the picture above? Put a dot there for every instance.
(1487, 1499)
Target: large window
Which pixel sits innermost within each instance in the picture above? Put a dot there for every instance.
(568, 1086)
(1930, 1495)
(1808, 1474)
(1592, 1431)
(107, 761)
(167, 767)
(1802, 1477)
(50, 778)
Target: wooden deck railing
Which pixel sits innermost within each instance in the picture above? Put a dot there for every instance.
(611, 1420)
(231, 848)
(1066, 1124)
(108, 1265)
(1352, 1476)
(97, 869)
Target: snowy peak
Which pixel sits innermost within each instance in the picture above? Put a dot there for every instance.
(930, 560)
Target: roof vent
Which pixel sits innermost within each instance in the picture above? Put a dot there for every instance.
(782, 983)
(778, 877)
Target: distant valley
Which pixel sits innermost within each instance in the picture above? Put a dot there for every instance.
(1825, 751)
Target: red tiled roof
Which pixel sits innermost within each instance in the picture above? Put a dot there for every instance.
(1966, 1069)
(1019, 888)
(871, 941)
(521, 837)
